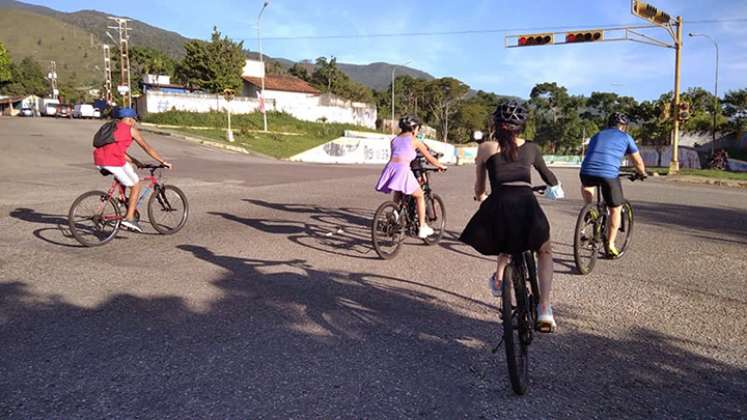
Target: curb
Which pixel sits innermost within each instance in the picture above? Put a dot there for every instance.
(690, 179)
(154, 129)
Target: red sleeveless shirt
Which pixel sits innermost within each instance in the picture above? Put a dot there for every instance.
(113, 154)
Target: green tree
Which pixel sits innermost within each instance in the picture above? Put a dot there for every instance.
(443, 97)
(735, 107)
(328, 78)
(27, 78)
(5, 65)
(301, 71)
(144, 60)
(213, 66)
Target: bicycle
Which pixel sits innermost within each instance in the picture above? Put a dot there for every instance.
(591, 230)
(95, 217)
(392, 222)
(519, 313)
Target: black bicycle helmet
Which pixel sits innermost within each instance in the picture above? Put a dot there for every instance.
(511, 114)
(409, 123)
(617, 118)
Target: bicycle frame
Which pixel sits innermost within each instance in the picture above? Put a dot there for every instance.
(118, 191)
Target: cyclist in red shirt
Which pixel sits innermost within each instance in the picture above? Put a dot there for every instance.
(114, 158)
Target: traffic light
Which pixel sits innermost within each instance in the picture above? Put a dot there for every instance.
(584, 36)
(650, 13)
(534, 39)
(683, 111)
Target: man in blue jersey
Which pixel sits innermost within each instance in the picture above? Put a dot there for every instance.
(601, 167)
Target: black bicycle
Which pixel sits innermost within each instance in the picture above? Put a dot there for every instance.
(520, 294)
(392, 222)
(590, 237)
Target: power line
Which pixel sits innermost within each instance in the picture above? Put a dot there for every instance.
(477, 31)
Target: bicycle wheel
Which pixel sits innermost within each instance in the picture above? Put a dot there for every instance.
(438, 221)
(585, 239)
(386, 230)
(168, 209)
(625, 231)
(94, 218)
(515, 327)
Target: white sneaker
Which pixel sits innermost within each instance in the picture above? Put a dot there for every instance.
(545, 320)
(425, 231)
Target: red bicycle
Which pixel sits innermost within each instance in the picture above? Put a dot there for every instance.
(96, 216)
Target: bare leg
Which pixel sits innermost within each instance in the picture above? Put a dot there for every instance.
(501, 266)
(132, 202)
(615, 213)
(545, 268)
(420, 202)
(588, 194)
(397, 197)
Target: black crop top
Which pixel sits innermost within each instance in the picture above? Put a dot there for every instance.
(501, 170)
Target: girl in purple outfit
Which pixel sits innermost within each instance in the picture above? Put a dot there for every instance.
(397, 175)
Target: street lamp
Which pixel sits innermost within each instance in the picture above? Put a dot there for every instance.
(393, 70)
(715, 91)
(262, 60)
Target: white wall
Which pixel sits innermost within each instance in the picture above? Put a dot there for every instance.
(364, 150)
(303, 106)
(253, 68)
(156, 101)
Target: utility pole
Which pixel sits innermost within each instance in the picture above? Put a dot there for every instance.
(107, 74)
(124, 59)
(674, 165)
(52, 76)
(263, 103)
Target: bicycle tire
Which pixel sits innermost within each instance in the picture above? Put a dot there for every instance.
(626, 228)
(585, 240)
(530, 259)
(386, 226)
(440, 211)
(98, 219)
(160, 204)
(514, 319)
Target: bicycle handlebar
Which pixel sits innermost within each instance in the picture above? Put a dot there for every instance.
(151, 166)
(633, 176)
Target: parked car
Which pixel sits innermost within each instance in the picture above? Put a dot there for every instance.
(64, 111)
(50, 110)
(26, 112)
(96, 113)
(83, 111)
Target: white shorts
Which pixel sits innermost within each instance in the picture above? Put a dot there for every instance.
(126, 175)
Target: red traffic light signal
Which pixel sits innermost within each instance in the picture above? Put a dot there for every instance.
(584, 36)
(683, 111)
(534, 39)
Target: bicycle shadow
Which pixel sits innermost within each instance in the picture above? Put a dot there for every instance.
(61, 231)
(339, 232)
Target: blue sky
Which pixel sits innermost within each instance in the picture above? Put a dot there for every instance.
(480, 60)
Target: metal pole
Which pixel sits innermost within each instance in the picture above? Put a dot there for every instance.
(715, 93)
(392, 121)
(262, 60)
(674, 165)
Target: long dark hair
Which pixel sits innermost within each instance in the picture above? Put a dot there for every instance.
(505, 134)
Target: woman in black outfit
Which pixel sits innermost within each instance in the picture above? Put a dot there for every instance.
(510, 220)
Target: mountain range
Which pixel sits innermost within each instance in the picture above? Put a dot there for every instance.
(73, 41)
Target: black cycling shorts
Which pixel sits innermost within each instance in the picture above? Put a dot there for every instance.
(611, 188)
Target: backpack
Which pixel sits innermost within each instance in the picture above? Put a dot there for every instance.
(105, 135)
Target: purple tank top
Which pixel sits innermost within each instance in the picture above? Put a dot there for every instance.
(403, 151)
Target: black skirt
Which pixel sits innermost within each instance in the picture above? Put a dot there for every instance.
(509, 221)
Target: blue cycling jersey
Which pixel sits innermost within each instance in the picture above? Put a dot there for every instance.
(606, 151)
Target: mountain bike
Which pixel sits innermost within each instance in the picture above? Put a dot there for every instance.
(590, 237)
(95, 217)
(392, 222)
(520, 294)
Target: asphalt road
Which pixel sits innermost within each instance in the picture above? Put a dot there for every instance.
(271, 302)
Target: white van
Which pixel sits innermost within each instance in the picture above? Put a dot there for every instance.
(83, 111)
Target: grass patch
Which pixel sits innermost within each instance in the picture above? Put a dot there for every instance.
(302, 135)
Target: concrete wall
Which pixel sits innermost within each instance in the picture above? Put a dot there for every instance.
(303, 106)
(364, 150)
(156, 101)
(662, 156)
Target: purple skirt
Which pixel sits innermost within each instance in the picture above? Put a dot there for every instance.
(397, 177)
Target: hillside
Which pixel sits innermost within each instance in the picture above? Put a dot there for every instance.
(45, 38)
(40, 22)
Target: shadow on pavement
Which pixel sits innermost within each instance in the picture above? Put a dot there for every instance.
(283, 339)
(53, 235)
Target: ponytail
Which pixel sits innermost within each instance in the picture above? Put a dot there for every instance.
(505, 135)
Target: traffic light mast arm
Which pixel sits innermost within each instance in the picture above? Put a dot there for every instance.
(615, 33)
(646, 39)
